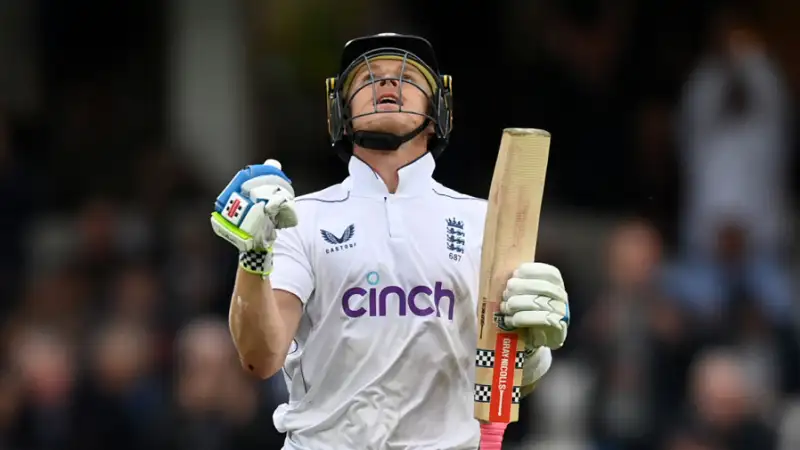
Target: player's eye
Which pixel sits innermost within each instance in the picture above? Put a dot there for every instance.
(368, 77)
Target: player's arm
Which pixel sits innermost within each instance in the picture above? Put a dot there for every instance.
(249, 211)
(263, 322)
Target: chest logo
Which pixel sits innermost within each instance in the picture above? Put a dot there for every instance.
(339, 243)
(455, 235)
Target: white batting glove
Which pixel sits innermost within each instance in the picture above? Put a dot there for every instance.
(257, 201)
(535, 299)
(537, 363)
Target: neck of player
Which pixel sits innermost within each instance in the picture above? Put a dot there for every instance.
(387, 163)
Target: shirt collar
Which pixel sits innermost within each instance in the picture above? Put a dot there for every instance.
(414, 178)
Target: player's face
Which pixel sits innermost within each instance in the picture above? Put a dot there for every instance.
(390, 95)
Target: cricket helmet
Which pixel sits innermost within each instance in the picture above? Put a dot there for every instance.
(412, 51)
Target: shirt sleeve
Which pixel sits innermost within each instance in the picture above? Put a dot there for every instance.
(292, 270)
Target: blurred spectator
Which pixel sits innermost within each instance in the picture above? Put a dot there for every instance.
(59, 299)
(734, 142)
(136, 296)
(640, 343)
(216, 407)
(118, 399)
(47, 366)
(735, 154)
(725, 407)
(98, 225)
(730, 279)
(736, 226)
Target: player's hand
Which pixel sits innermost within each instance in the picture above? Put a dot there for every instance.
(537, 363)
(257, 201)
(535, 299)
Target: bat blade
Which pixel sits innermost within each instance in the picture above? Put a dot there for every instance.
(509, 239)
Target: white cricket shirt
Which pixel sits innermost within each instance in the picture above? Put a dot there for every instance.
(385, 354)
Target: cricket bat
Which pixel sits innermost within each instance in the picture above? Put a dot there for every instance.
(509, 239)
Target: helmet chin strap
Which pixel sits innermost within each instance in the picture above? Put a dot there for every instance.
(379, 140)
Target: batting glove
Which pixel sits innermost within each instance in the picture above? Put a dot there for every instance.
(535, 299)
(537, 363)
(257, 201)
(536, 302)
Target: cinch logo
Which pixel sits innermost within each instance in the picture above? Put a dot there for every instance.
(418, 301)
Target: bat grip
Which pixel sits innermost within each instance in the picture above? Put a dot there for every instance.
(492, 435)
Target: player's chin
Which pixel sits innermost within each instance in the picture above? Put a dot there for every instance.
(398, 123)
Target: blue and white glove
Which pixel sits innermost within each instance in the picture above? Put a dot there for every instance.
(535, 300)
(257, 201)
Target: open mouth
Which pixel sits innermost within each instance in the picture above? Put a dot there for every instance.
(388, 99)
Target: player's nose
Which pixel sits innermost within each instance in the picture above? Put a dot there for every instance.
(388, 89)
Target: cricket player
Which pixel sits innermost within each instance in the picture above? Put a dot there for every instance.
(365, 293)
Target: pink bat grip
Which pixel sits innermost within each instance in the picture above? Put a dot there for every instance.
(492, 435)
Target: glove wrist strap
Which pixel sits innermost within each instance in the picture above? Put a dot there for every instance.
(256, 262)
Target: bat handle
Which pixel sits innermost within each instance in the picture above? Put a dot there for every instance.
(492, 435)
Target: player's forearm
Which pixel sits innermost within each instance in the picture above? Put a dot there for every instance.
(258, 330)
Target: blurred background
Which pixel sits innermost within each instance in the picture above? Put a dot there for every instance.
(671, 206)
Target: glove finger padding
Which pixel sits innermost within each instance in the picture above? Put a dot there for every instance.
(264, 186)
(527, 302)
(539, 271)
(542, 328)
(276, 218)
(536, 319)
(286, 217)
(278, 205)
(532, 286)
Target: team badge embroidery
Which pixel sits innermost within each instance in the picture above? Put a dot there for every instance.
(455, 235)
